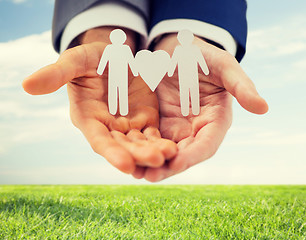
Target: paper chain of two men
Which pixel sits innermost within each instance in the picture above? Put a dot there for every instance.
(152, 67)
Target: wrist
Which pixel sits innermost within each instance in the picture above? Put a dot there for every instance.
(101, 34)
(166, 42)
(169, 41)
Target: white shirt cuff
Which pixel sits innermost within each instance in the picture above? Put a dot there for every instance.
(104, 14)
(199, 28)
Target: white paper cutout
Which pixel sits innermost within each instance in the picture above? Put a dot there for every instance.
(187, 57)
(152, 67)
(118, 56)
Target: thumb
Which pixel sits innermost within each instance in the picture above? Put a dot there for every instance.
(226, 72)
(244, 90)
(44, 81)
(73, 63)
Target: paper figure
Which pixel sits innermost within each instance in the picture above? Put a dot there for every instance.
(118, 56)
(187, 57)
(152, 66)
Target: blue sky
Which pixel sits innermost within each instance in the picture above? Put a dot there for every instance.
(19, 18)
(38, 143)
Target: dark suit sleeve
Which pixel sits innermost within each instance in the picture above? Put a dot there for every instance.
(65, 10)
(227, 14)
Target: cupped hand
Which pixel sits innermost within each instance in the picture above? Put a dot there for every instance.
(126, 142)
(198, 137)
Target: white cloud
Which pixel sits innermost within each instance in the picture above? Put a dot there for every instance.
(214, 171)
(300, 64)
(2, 150)
(263, 136)
(287, 38)
(276, 55)
(23, 56)
(18, 1)
(291, 48)
(26, 118)
(23, 1)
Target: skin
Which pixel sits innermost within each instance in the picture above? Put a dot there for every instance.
(198, 137)
(124, 141)
(154, 141)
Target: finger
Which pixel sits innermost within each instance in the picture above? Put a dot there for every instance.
(152, 133)
(226, 72)
(196, 149)
(120, 124)
(103, 144)
(243, 89)
(73, 63)
(135, 135)
(166, 146)
(158, 174)
(139, 172)
(148, 116)
(151, 136)
(143, 153)
(225, 68)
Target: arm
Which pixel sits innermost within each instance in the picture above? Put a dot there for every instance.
(173, 63)
(103, 61)
(71, 19)
(220, 21)
(202, 62)
(132, 63)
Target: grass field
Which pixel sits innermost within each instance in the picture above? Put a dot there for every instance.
(152, 212)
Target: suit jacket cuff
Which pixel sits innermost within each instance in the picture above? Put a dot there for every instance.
(104, 14)
(199, 28)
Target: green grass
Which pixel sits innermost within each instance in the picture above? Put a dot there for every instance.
(152, 212)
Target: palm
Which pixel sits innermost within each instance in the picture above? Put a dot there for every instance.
(198, 137)
(214, 100)
(126, 142)
(89, 101)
